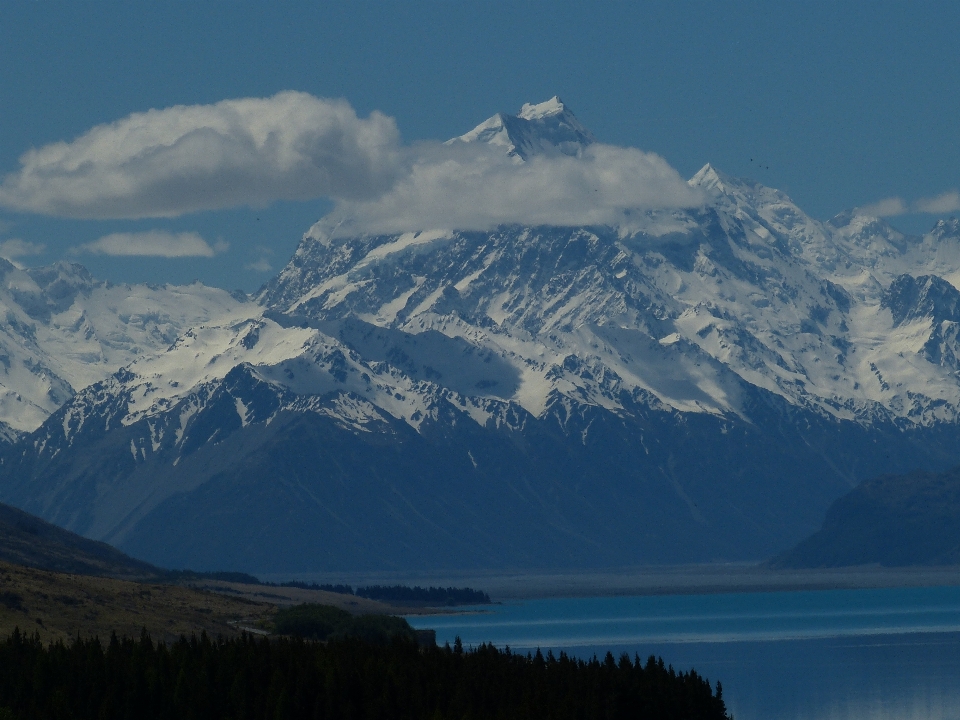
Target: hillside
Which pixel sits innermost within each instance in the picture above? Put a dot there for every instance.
(893, 520)
(60, 606)
(27, 540)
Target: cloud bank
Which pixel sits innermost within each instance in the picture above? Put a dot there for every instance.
(477, 187)
(152, 243)
(293, 146)
(187, 158)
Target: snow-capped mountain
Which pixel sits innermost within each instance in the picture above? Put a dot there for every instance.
(545, 127)
(698, 385)
(62, 331)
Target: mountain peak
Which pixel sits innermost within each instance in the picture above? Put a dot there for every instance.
(538, 129)
(709, 178)
(944, 228)
(538, 111)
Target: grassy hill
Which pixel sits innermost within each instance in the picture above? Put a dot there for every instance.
(61, 605)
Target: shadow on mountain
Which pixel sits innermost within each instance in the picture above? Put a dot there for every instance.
(451, 362)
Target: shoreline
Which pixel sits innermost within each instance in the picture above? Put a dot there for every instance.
(650, 580)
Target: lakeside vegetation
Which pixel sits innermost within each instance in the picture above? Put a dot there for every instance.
(392, 594)
(404, 594)
(246, 677)
(322, 622)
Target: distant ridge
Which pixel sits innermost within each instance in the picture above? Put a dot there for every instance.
(894, 521)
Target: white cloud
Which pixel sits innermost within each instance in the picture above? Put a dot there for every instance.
(947, 202)
(251, 151)
(261, 265)
(153, 243)
(476, 187)
(295, 146)
(943, 203)
(15, 247)
(885, 208)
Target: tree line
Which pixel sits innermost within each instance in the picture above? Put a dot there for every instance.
(435, 596)
(247, 677)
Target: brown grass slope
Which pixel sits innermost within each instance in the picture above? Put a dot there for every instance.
(61, 606)
(60, 584)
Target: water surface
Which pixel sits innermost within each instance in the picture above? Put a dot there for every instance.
(872, 654)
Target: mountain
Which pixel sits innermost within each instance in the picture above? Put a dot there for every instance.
(892, 520)
(62, 331)
(545, 127)
(699, 386)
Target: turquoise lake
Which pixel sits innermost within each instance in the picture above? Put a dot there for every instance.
(838, 654)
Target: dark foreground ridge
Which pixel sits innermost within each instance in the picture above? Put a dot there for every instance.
(893, 521)
(29, 541)
(288, 678)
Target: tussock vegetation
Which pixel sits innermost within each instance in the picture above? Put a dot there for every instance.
(59, 606)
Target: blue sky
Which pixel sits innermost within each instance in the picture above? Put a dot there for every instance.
(838, 104)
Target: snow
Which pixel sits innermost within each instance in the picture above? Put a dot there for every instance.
(553, 106)
(693, 310)
(242, 411)
(538, 128)
(64, 331)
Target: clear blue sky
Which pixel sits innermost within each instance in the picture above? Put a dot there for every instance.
(838, 104)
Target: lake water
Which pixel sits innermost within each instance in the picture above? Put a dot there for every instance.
(830, 655)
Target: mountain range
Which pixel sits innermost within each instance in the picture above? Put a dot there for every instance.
(697, 384)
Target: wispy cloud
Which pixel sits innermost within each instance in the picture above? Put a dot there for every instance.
(947, 202)
(888, 207)
(261, 265)
(153, 243)
(261, 259)
(476, 187)
(251, 151)
(15, 247)
(941, 204)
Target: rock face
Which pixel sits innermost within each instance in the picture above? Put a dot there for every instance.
(893, 520)
(700, 386)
